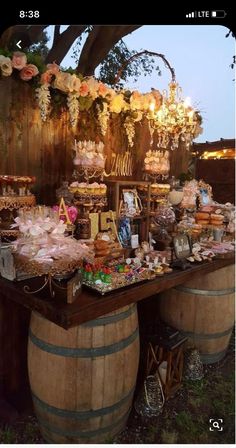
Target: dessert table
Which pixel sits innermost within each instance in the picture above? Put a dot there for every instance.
(91, 305)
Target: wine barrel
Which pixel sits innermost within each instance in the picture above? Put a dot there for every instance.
(82, 379)
(203, 309)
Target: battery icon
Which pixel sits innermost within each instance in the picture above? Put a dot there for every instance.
(218, 14)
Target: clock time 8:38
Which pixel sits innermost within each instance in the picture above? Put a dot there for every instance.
(29, 14)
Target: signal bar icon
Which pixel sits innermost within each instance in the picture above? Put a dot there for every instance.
(191, 15)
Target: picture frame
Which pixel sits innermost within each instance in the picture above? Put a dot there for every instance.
(130, 204)
(182, 246)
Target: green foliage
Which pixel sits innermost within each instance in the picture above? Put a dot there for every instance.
(7, 435)
(230, 33)
(151, 434)
(76, 48)
(6, 53)
(117, 57)
(85, 103)
(41, 47)
(36, 59)
(169, 437)
(70, 70)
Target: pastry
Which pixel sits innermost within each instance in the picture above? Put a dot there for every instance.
(203, 222)
(202, 215)
(215, 222)
(215, 217)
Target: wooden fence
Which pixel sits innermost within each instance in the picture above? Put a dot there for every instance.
(29, 146)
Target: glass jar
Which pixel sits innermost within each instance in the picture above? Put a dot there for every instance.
(83, 228)
(63, 192)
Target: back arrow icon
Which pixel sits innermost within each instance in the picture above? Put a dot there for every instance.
(18, 44)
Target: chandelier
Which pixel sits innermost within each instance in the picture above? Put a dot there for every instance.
(175, 121)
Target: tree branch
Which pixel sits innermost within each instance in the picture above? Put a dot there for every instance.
(98, 44)
(150, 53)
(56, 34)
(63, 43)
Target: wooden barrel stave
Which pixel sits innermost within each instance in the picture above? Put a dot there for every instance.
(203, 309)
(84, 394)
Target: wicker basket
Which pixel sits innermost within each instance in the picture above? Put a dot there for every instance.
(58, 267)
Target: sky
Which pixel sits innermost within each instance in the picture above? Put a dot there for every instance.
(201, 56)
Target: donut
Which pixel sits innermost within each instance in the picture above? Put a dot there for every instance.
(218, 223)
(202, 215)
(215, 217)
(203, 222)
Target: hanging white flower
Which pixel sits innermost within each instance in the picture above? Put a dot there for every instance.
(73, 106)
(130, 130)
(103, 117)
(44, 99)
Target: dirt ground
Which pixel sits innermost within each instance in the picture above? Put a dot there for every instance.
(184, 419)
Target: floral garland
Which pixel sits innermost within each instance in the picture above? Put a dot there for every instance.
(83, 92)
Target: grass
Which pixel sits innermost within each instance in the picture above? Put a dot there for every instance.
(30, 432)
(8, 435)
(151, 433)
(169, 437)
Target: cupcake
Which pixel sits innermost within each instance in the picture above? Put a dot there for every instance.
(103, 189)
(73, 187)
(82, 188)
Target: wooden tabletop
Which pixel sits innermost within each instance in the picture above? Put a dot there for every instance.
(91, 305)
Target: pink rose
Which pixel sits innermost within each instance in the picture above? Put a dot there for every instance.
(53, 68)
(19, 60)
(28, 72)
(102, 90)
(46, 77)
(84, 90)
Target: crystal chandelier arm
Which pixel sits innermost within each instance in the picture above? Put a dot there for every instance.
(150, 53)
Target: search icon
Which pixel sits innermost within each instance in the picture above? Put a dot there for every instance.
(216, 424)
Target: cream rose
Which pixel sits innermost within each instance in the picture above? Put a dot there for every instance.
(135, 100)
(5, 66)
(28, 72)
(74, 84)
(93, 87)
(19, 60)
(66, 82)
